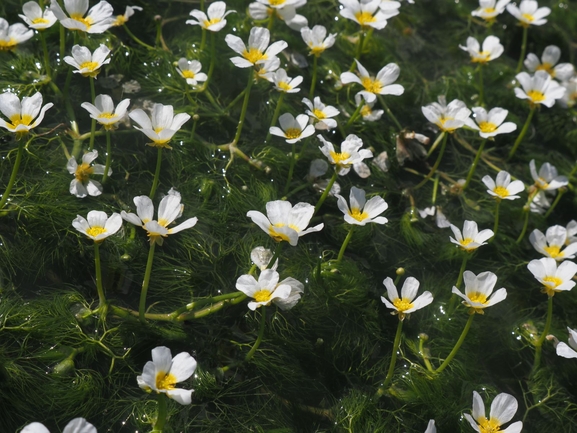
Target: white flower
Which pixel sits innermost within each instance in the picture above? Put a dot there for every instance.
(82, 185)
(284, 222)
(554, 279)
(190, 70)
(440, 219)
(261, 257)
(552, 242)
(539, 89)
(283, 83)
(162, 124)
(406, 303)
(287, 13)
(489, 9)
(548, 178)
(293, 129)
(98, 226)
(431, 427)
(258, 50)
(571, 232)
(12, 35)
(447, 117)
(321, 113)
(169, 209)
(540, 203)
(363, 13)
(570, 97)
(471, 239)
(268, 289)
(529, 13)
(491, 124)
(215, 21)
(548, 63)
(77, 425)
(369, 115)
(279, 4)
(350, 154)
(391, 5)
(502, 187)
(477, 291)
(86, 63)
(22, 115)
(382, 84)
(267, 69)
(361, 211)
(98, 20)
(492, 49)
(503, 409)
(103, 110)
(35, 17)
(570, 350)
(163, 373)
(317, 39)
(128, 12)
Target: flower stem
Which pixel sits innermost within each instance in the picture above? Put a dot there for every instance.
(45, 51)
(244, 107)
(344, 245)
(62, 42)
(359, 47)
(522, 133)
(67, 100)
(396, 344)
(212, 59)
(203, 40)
(523, 49)
(156, 174)
(275, 256)
(559, 195)
(457, 345)
(275, 115)
(355, 114)
(389, 112)
(271, 20)
(436, 143)
(424, 355)
(101, 298)
(474, 166)
(161, 414)
(539, 343)
(291, 168)
(259, 337)
(108, 156)
(14, 173)
(458, 283)
(93, 124)
(496, 225)
(314, 79)
(135, 39)
(481, 96)
(525, 224)
(144, 291)
(326, 191)
(437, 162)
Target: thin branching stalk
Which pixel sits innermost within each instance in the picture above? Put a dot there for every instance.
(108, 156)
(203, 40)
(244, 107)
(523, 132)
(99, 288)
(93, 123)
(161, 414)
(389, 112)
(424, 354)
(275, 115)
(135, 39)
(541, 340)
(496, 225)
(345, 243)
(475, 163)
(145, 283)
(14, 173)
(327, 190)
(291, 168)
(355, 114)
(454, 297)
(557, 199)
(437, 162)
(156, 173)
(523, 49)
(259, 337)
(393, 363)
(314, 79)
(481, 90)
(436, 143)
(45, 51)
(457, 345)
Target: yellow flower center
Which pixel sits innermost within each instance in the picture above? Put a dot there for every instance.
(402, 304)
(478, 297)
(481, 57)
(106, 115)
(6, 45)
(120, 20)
(357, 214)
(91, 66)
(366, 111)
(489, 10)
(83, 172)
(24, 120)
(465, 242)
(40, 20)
(487, 127)
(276, 2)
(370, 85)
(501, 191)
(278, 237)
(528, 17)
(210, 22)
(489, 425)
(536, 96)
(262, 296)
(284, 86)
(555, 280)
(442, 121)
(292, 133)
(319, 114)
(554, 251)
(86, 21)
(338, 158)
(254, 55)
(365, 18)
(165, 381)
(317, 50)
(95, 231)
(187, 73)
(547, 67)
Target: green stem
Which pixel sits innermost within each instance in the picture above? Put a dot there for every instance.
(203, 40)
(161, 414)
(235, 100)
(62, 42)
(436, 143)
(458, 284)
(156, 174)
(355, 114)
(145, 282)
(389, 112)
(256, 344)
(45, 51)
(539, 343)
(359, 47)
(423, 354)
(559, 195)
(297, 189)
(212, 59)
(14, 173)
(435, 189)
(314, 79)
(525, 224)
(271, 20)
(457, 345)
(475, 162)
(93, 124)
(523, 49)
(396, 344)
(522, 133)
(108, 156)
(101, 298)
(327, 190)
(244, 107)
(437, 162)
(135, 39)
(291, 168)
(344, 245)
(496, 225)
(481, 96)
(67, 100)
(275, 115)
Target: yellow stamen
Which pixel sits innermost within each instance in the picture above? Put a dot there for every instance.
(6, 45)
(501, 191)
(120, 20)
(292, 133)
(489, 10)
(276, 2)
(83, 172)
(262, 296)
(487, 127)
(338, 158)
(278, 237)
(442, 121)
(554, 251)
(284, 86)
(254, 55)
(165, 381)
(24, 120)
(357, 214)
(547, 67)
(370, 85)
(366, 110)
(402, 304)
(187, 73)
(95, 231)
(536, 96)
(106, 115)
(365, 18)
(318, 50)
(528, 17)
(489, 425)
(465, 242)
(482, 57)
(319, 114)
(40, 21)
(208, 23)
(555, 280)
